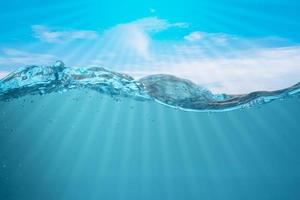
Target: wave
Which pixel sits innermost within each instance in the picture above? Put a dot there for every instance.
(165, 89)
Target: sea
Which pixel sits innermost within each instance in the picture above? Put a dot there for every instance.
(90, 133)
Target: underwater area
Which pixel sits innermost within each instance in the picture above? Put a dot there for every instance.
(94, 134)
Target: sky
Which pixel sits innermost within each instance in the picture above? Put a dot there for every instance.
(233, 46)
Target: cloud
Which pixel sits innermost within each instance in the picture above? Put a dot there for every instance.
(134, 38)
(194, 36)
(215, 38)
(156, 24)
(14, 57)
(127, 39)
(46, 34)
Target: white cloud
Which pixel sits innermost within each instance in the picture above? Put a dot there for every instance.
(156, 24)
(45, 34)
(128, 39)
(14, 57)
(131, 38)
(194, 36)
(134, 38)
(214, 38)
(221, 39)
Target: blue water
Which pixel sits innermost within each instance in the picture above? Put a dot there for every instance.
(156, 138)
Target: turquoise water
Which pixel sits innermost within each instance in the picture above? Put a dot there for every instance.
(81, 143)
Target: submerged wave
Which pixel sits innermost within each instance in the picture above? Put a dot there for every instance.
(165, 89)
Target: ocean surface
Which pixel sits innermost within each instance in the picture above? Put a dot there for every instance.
(79, 133)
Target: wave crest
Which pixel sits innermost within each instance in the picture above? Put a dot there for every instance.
(165, 89)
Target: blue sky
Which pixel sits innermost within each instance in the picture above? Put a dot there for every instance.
(232, 46)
